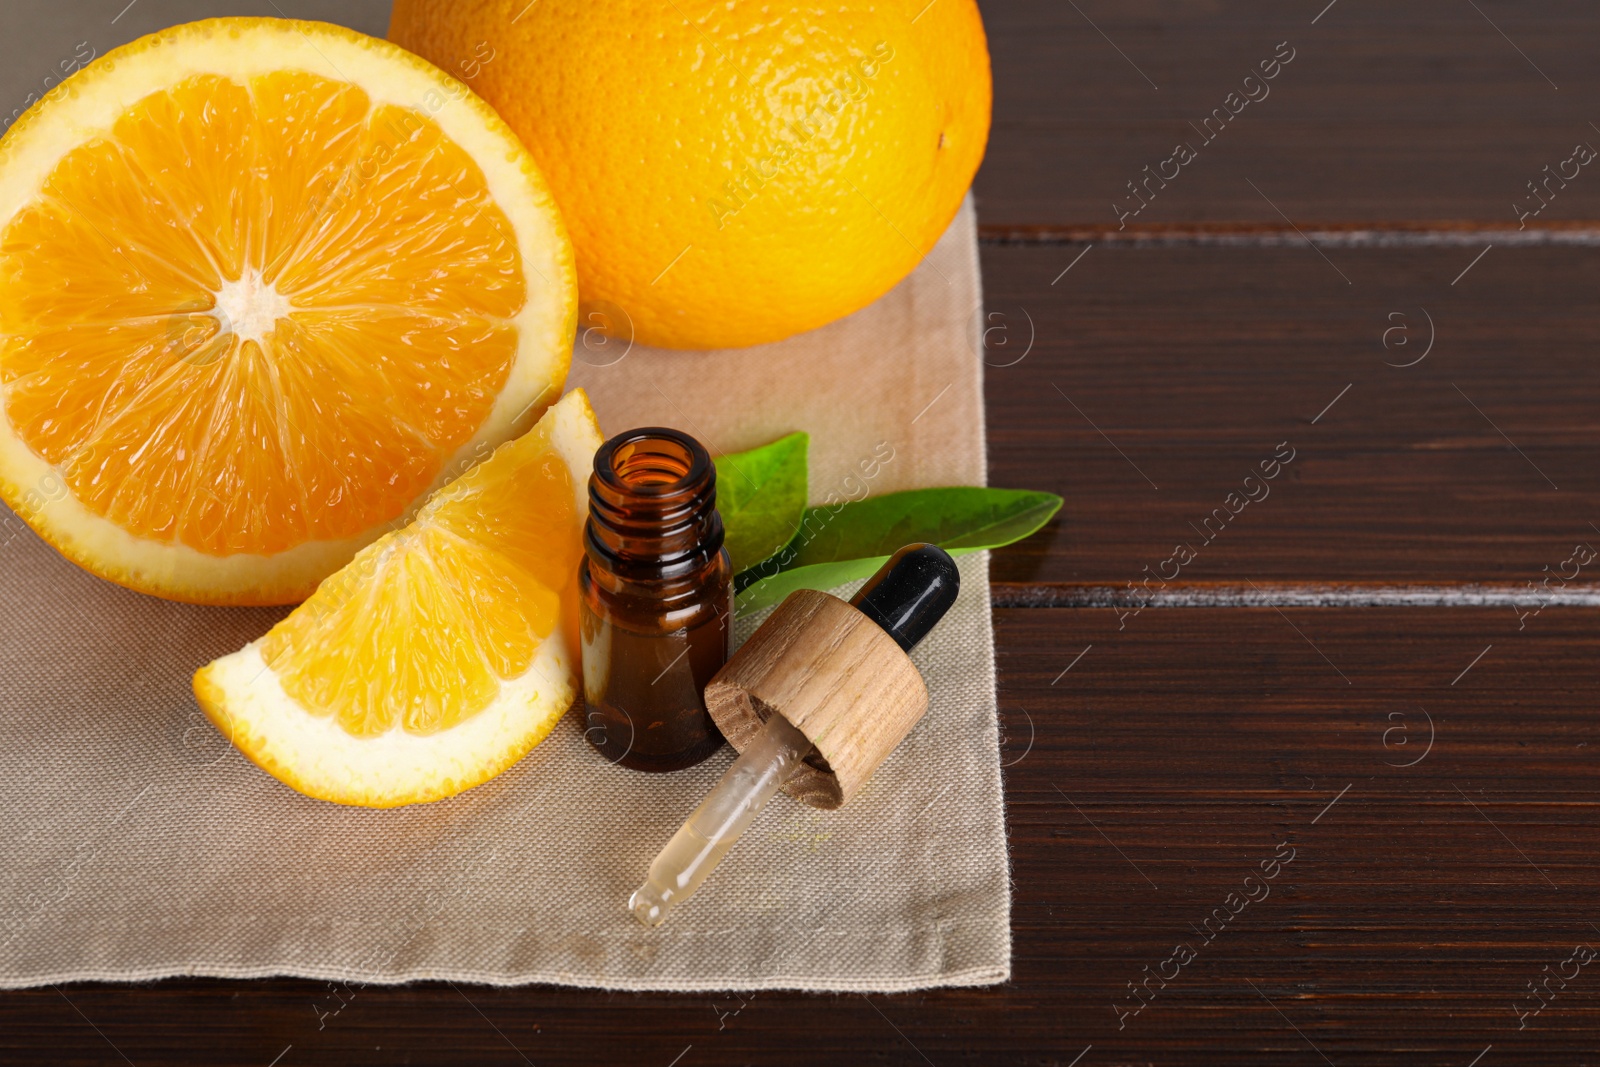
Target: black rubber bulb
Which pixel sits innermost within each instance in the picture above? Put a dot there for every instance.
(910, 593)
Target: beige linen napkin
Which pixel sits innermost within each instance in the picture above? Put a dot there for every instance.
(139, 845)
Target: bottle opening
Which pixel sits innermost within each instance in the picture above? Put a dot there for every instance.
(652, 505)
(653, 461)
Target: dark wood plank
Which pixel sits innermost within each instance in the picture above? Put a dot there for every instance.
(1184, 367)
(1196, 741)
(1145, 784)
(1407, 110)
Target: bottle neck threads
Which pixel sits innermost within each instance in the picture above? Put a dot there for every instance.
(652, 507)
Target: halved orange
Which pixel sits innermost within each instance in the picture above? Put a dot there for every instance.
(443, 652)
(264, 285)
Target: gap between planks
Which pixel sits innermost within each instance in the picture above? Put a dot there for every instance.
(1291, 595)
(1445, 234)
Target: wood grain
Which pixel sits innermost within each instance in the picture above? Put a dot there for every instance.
(1409, 110)
(1159, 378)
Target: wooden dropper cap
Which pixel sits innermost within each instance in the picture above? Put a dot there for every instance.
(839, 672)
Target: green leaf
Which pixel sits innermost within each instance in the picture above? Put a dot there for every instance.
(762, 497)
(851, 540)
(764, 591)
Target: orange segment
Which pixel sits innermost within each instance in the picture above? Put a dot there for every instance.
(448, 609)
(262, 310)
(442, 652)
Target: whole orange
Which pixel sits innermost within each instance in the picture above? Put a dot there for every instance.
(731, 173)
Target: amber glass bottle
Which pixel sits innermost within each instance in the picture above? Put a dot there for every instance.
(657, 590)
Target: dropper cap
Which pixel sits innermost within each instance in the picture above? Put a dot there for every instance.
(835, 692)
(910, 593)
(839, 672)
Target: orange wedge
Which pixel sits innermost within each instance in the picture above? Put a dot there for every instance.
(443, 652)
(264, 286)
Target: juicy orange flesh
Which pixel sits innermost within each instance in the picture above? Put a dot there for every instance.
(372, 232)
(423, 625)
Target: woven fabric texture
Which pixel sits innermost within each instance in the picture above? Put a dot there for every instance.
(140, 845)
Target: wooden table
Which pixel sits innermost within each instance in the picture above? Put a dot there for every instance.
(1320, 788)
